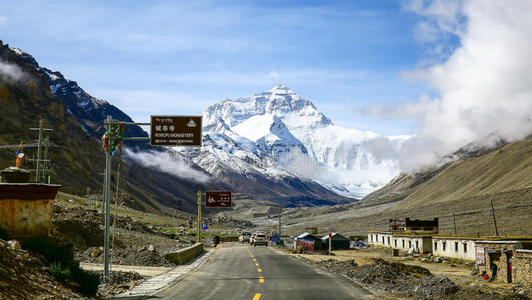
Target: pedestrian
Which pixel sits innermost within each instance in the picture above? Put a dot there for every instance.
(493, 268)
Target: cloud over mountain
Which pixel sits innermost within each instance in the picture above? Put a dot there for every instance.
(484, 85)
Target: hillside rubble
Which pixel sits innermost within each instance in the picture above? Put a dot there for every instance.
(134, 242)
(25, 276)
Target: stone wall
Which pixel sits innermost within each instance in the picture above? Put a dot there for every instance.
(183, 256)
(499, 253)
(522, 267)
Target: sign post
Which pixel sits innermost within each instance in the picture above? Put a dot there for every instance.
(218, 199)
(199, 216)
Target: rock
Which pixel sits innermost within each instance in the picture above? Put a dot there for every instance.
(96, 252)
(151, 248)
(15, 245)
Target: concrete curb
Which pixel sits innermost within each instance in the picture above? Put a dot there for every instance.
(159, 283)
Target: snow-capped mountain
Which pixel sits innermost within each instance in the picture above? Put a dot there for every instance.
(278, 134)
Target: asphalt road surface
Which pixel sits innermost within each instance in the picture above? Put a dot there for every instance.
(253, 273)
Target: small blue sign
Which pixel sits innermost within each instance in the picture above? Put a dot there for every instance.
(276, 239)
(204, 226)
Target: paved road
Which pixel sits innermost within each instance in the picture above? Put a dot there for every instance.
(243, 272)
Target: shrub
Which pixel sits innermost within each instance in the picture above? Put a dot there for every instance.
(58, 272)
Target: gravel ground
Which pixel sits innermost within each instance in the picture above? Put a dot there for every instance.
(401, 280)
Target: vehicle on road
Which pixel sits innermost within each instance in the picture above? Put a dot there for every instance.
(252, 238)
(244, 237)
(260, 239)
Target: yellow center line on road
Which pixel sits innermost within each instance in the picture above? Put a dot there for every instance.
(256, 264)
(261, 279)
(254, 259)
(260, 270)
(257, 296)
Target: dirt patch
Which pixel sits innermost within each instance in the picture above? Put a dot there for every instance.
(118, 282)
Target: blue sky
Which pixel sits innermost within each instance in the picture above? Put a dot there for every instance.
(153, 57)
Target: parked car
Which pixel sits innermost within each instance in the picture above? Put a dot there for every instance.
(252, 238)
(244, 237)
(260, 239)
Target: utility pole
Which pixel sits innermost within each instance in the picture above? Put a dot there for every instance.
(331, 229)
(454, 222)
(110, 125)
(39, 143)
(494, 220)
(199, 216)
(280, 212)
(38, 152)
(107, 192)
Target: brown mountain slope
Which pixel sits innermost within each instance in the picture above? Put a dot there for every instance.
(504, 170)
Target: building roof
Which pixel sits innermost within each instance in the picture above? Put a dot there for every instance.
(333, 234)
(417, 222)
(304, 234)
(524, 250)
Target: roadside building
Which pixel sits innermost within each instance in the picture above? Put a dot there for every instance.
(522, 267)
(308, 242)
(419, 242)
(500, 251)
(338, 242)
(460, 247)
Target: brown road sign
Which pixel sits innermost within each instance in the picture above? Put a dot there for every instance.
(176, 131)
(218, 199)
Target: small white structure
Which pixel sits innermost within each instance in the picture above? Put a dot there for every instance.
(454, 246)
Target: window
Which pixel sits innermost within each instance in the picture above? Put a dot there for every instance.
(395, 242)
(417, 245)
(465, 247)
(389, 241)
(443, 245)
(403, 243)
(435, 245)
(409, 244)
(427, 229)
(455, 246)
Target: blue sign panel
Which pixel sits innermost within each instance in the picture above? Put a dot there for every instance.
(204, 226)
(275, 238)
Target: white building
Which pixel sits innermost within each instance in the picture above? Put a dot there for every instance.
(454, 246)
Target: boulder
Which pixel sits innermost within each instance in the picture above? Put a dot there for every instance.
(15, 245)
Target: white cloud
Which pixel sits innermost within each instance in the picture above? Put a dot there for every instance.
(168, 162)
(485, 87)
(11, 71)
